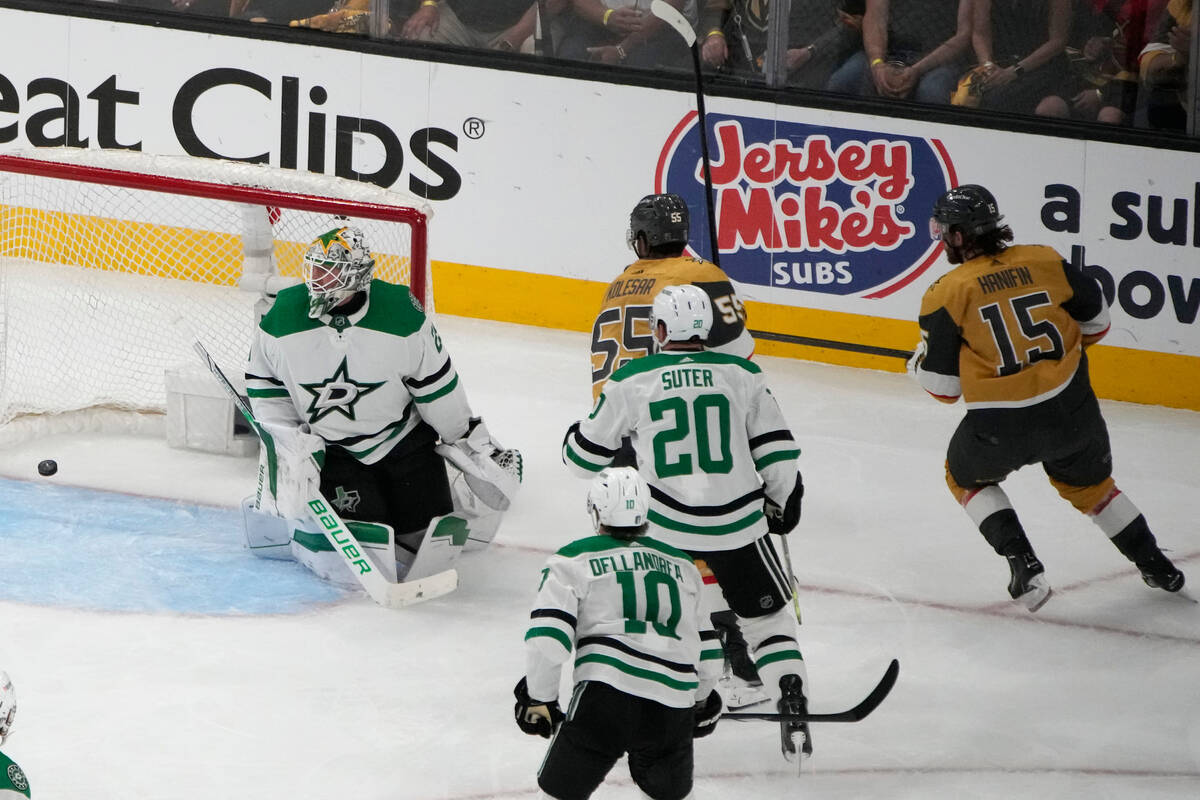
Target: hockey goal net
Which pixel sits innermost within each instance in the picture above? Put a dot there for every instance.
(102, 251)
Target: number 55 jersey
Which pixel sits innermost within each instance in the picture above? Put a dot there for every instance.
(710, 440)
(1007, 331)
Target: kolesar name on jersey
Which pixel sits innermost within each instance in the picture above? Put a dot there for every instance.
(812, 208)
(637, 560)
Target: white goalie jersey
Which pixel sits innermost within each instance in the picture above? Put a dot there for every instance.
(711, 442)
(629, 612)
(362, 381)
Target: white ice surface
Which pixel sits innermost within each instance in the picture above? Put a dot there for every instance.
(1097, 696)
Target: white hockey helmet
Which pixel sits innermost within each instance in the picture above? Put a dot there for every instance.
(8, 706)
(618, 498)
(685, 310)
(336, 265)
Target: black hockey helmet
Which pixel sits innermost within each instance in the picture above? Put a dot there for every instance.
(662, 219)
(970, 208)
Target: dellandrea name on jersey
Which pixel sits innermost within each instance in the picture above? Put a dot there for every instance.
(356, 379)
(630, 614)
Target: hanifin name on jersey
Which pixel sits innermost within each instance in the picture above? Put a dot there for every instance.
(1009, 278)
(637, 560)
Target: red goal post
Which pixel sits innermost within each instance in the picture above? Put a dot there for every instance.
(100, 251)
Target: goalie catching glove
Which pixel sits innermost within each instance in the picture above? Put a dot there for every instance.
(297, 470)
(781, 519)
(535, 717)
(492, 472)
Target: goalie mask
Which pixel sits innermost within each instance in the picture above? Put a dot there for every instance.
(619, 498)
(8, 706)
(337, 265)
(685, 310)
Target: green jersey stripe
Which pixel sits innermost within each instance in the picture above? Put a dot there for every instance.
(706, 530)
(429, 398)
(550, 633)
(637, 672)
(266, 392)
(588, 465)
(782, 655)
(771, 458)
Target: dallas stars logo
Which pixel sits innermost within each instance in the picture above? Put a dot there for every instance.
(338, 393)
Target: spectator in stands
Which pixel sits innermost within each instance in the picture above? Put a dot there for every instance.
(911, 49)
(1021, 45)
(624, 32)
(735, 39)
(1164, 68)
(485, 24)
(1106, 38)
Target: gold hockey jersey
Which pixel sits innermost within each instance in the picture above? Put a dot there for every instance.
(621, 331)
(1007, 331)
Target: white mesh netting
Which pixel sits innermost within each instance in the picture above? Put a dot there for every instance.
(94, 274)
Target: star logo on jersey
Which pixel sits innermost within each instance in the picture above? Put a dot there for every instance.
(338, 393)
(17, 778)
(345, 501)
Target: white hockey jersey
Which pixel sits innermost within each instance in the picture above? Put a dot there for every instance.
(710, 441)
(630, 613)
(361, 381)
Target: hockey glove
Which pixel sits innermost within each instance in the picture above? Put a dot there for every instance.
(534, 717)
(707, 714)
(492, 472)
(781, 520)
(298, 455)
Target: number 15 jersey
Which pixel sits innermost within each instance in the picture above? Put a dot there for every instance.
(710, 440)
(1007, 330)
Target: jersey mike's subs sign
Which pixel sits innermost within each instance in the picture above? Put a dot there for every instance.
(836, 211)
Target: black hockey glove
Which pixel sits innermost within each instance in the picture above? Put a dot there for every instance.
(781, 520)
(707, 714)
(534, 717)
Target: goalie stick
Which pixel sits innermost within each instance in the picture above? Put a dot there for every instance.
(856, 714)
(328, 521)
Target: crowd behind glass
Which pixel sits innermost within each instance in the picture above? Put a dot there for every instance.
(1119, 62)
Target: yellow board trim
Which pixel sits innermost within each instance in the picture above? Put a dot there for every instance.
(1118, 373)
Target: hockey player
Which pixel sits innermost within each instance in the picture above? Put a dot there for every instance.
(627, 608)
(347, 371)
(712, 443)
(658, 234)
(13, 783)
(1006, 330)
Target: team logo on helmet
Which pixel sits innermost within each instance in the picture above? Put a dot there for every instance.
(811, 208)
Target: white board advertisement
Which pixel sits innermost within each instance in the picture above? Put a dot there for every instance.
(533, 173)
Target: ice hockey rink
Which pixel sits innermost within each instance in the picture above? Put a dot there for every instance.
(154, 657)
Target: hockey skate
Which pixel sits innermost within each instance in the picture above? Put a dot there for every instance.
(1028, 585)
(793, 734)
(740, 693)
(1159, 573)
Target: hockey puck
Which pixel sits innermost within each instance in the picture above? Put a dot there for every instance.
(47, 467)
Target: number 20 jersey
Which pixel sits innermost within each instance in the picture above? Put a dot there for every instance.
(1006, 331)
(710, 440)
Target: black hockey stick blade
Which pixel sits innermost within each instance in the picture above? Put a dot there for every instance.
(856, 714)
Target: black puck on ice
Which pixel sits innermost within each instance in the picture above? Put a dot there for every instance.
(47, 467)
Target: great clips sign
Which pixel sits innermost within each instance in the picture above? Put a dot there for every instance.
(812, 208)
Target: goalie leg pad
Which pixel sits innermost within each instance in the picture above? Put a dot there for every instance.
(436, 549)
(314, 551)
(267, 535)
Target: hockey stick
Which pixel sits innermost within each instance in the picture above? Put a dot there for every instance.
(787, 559)
(376, 584)
(856, 714)
(670, 15)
